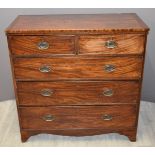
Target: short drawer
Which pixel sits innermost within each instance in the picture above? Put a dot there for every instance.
(77, 93)
(78, 68)
(42, 45)
(77, 117)
(112, 44)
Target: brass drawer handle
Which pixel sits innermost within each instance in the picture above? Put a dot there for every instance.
(110, 44)
(109, 68)
(45, 69)
(48, 118)
(43, 45)
(108, 92)
(46, 92)
(107, 117)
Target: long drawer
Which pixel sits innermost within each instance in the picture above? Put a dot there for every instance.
(42, 45)
(77, 93)
(112, 44)
(78, 68)
(78, 117)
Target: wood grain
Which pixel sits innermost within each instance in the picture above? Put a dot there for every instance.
(28, 45)
(126, 44)
(90, 23)
(130, 132)
(80, 68)
(77, 93)
(77, 117)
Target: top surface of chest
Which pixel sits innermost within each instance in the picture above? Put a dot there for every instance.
(84, 23)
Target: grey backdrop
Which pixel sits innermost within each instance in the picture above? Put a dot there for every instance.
(8, 15)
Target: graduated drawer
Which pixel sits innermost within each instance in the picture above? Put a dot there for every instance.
(78, 68)
(41, 45)
(77, 117)
(77, 93)
(112, 44)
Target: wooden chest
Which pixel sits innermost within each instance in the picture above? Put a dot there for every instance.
(77, 75)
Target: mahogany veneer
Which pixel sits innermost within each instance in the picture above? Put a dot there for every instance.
(77, 117)
(78, 93)
(26, 45)
(74, 67)
(77, 75)
(127, 44)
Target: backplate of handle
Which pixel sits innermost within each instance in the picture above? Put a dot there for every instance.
(46, 92)
(48, 117)
(107, 117)
(43, 45)
(110, 44)
(109, 68)
(45, 69)
(108, 92)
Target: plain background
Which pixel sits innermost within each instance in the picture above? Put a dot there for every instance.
(8, 15)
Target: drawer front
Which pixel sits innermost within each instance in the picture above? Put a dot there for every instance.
(77, 93)
(77, 117)
(112, 44)
(78, 68)
(41, 45)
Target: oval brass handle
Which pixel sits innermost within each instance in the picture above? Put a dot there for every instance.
(45, 69)
(108, 92)
(46, 92)
(48, 117)
(109, 68)
(110, 44)
(43, 45)
(107, 117)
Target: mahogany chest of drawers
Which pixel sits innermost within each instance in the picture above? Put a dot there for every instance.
(77, 75)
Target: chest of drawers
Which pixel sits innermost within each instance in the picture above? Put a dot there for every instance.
(77, 75)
